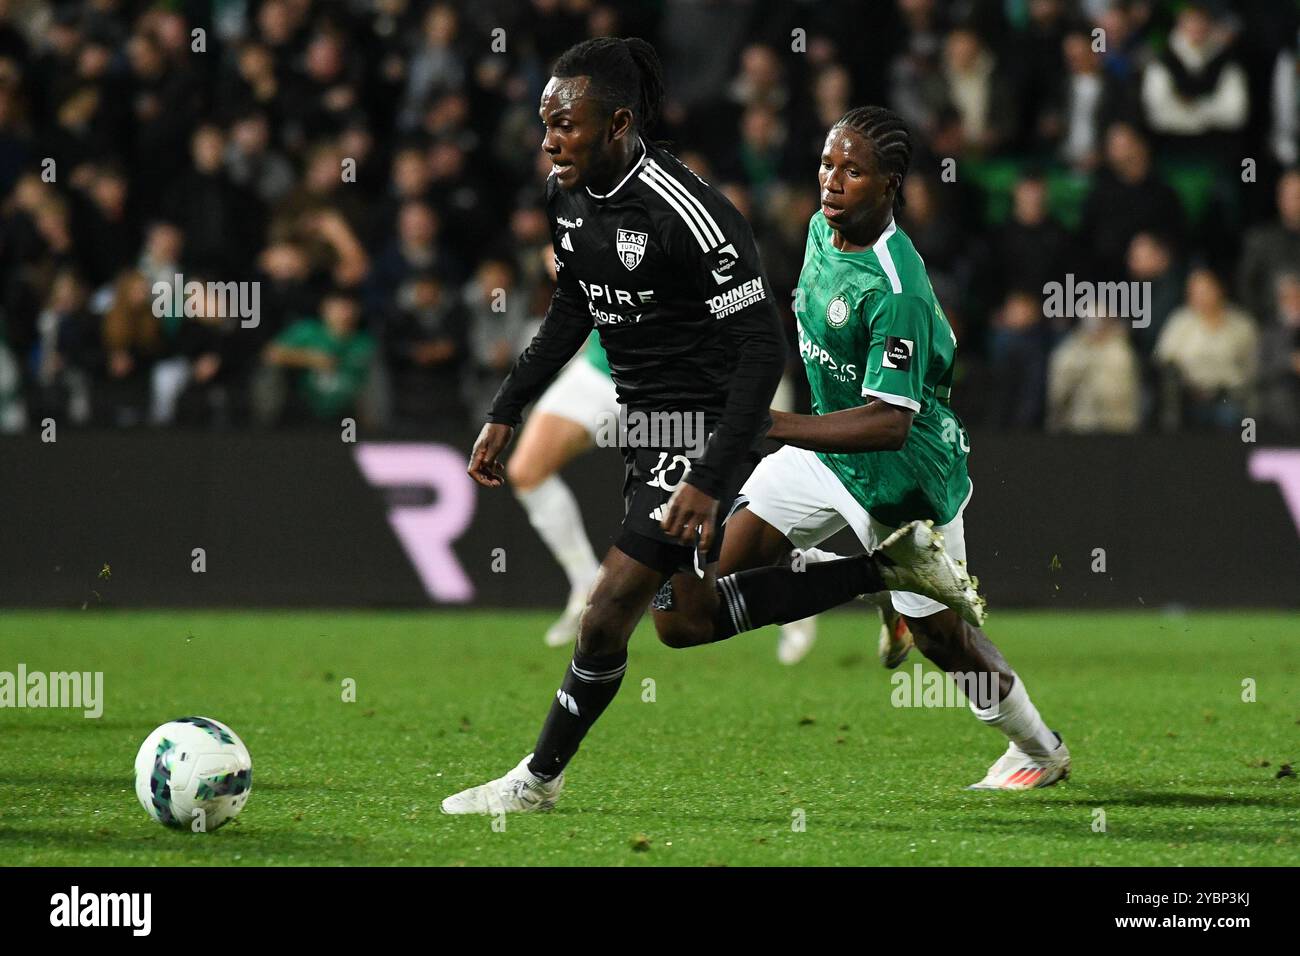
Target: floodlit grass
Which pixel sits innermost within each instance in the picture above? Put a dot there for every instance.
(708, 756)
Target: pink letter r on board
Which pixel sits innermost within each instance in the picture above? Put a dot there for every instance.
(427, 531)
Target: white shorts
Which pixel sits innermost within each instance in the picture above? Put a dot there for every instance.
(581, 393)
(794, 492)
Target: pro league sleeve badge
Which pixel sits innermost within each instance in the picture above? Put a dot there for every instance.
(898, 353)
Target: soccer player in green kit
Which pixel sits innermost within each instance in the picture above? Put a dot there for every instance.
(883, 446)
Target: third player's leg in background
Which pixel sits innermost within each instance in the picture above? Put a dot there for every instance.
(547, 445)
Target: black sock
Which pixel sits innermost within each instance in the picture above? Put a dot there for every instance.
(751, 599)
(589, 684)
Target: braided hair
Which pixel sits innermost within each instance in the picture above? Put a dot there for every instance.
(624, 73)
(889, 138)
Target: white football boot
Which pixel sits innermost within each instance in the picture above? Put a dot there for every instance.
(1017, 770)
(895, 639)
(797, 639)
(922, 566)
(517, 792)
(565, 630)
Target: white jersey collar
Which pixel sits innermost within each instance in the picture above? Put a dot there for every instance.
(635, 166)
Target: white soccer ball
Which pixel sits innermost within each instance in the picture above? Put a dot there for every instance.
(193, 773)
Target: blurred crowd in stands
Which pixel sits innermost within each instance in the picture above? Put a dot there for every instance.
(373, 167)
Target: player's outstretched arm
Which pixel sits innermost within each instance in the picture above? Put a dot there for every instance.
(876, 426)
(563, 331)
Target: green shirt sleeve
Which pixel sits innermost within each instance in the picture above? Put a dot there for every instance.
(898, 351)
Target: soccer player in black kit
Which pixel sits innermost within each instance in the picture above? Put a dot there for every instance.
(668, 271)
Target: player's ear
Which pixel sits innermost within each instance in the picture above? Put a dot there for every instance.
(620, 124)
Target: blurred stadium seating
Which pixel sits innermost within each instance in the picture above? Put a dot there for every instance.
(373, 165)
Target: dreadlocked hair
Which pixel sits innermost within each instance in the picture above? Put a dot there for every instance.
(624, 73)
(889, 138)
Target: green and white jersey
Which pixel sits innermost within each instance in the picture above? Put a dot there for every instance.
(870, 327)
(595, 353)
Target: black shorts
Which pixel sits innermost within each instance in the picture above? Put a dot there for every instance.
(651, 475)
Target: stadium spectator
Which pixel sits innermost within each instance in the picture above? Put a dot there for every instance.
(917, 86)
(253, 84)
(1127, 197)
(1126, 29)
(132, 340)
(202, 378)
(288, 288)
(66, 353)
(1093, 379)
(424, 343)
(437, 66)
(498, 327)
(531, 241)
(1036, 65)
(1209, 349)
(328, 361)
(762, 157)
(462, 201)
(1195, 94)
(1030, 249)
(409, 181)
(13, 409)
(975, 86)
(318, 98)
(167, 99)
(253, 163)
(1151, 260)
(760, 80)
(220, 220)
(1082, 101)
(325, 218)
(1018, 349)
(1280, 356)
(415, 248)
(105, 232)
(1284, 137)
(1270, 249)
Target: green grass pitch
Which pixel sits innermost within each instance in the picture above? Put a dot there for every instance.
(733, 751)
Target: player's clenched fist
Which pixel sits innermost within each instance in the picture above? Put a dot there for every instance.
(485, 465)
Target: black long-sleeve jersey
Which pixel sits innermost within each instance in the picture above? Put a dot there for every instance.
(667, 269)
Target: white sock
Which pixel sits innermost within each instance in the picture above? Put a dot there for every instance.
(553, 511)
(1017, 717)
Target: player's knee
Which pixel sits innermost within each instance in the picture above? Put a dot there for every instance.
(523, 473)
(679, 632)
(605, 627)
